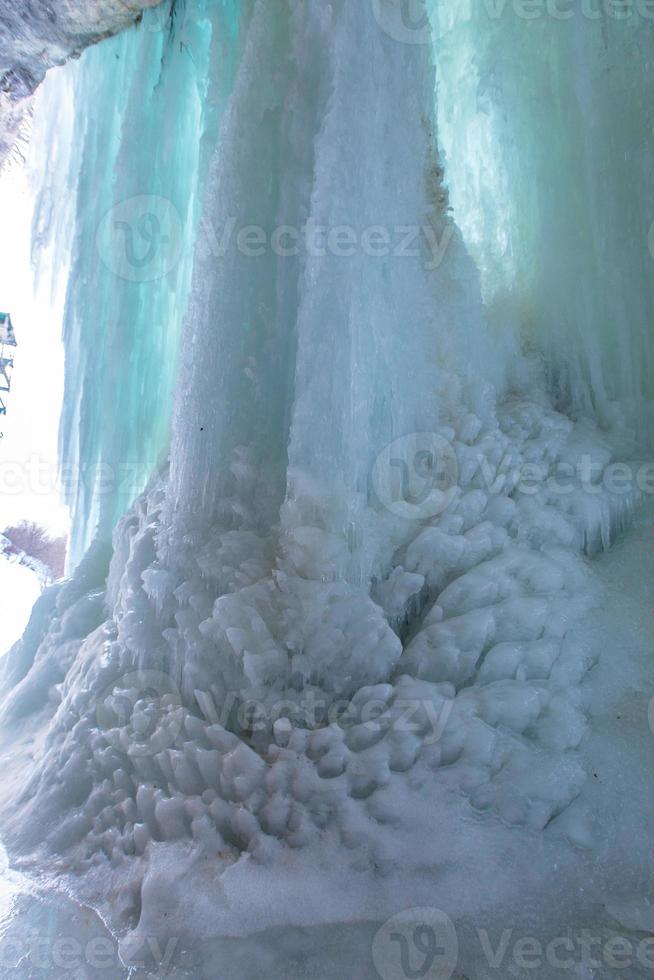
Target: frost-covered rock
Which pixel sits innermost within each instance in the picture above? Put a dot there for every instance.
(36, 36)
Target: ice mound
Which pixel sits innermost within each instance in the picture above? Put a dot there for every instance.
(305, 707)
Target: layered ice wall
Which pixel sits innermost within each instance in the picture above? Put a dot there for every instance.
(344, 614)
(542, 240)
(144, 105)
(545, 119)
(297, 348)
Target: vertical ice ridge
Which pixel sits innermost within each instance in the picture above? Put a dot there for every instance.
(146, 104)
(308, 352)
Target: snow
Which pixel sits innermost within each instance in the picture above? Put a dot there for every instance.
(164, 784)
(359, 648)
(372, 794)
(19, 589)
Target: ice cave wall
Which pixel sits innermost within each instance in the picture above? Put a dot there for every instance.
(126, 130)
(545, 210)
(546, 123)
(300, 361)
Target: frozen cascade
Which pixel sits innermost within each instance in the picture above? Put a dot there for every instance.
(202, 687)
(162, 84)
(559, 217)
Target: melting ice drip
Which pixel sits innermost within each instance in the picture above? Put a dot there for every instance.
(263, 569)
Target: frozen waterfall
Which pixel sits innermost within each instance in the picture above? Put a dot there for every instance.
(358, 387)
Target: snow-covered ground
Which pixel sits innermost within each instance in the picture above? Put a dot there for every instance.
(19, 590)
(44, 934)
